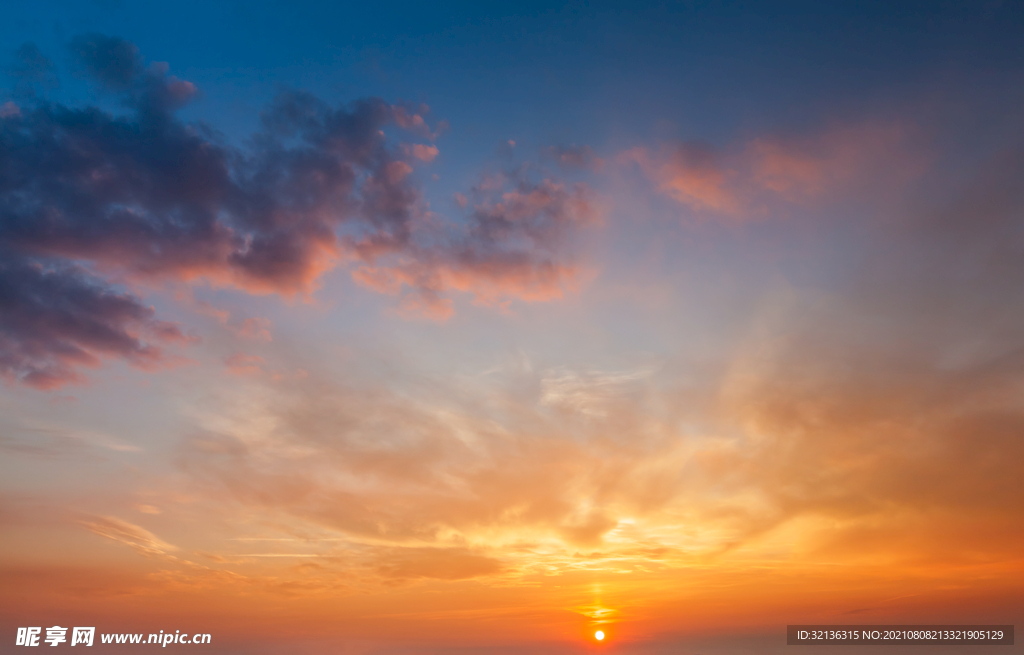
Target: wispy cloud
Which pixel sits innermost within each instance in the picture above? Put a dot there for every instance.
(753, 180)
(141, 540)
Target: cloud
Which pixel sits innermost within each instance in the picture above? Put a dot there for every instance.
(438, 563)
(869, 421)
(141, 540)
(690, 174)
(380, 471)
(874, 435)
(243, 363)
(510, 247)
(421, 152)
(412, 119)
(884, 408)
(55, 320)
(30, 63)
(750, 180)
(589, 394)
(575, 157)
(31, 71)
(114, 62)
(254, 327)
(144, 196)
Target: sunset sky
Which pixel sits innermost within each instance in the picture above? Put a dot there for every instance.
(479, 327)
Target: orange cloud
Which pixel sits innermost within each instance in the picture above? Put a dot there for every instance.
(439, 563)
(689, 174)
(140, 539)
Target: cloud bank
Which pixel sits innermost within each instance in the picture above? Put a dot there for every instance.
(91, 199)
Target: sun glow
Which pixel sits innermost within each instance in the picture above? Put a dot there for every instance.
(599, 635)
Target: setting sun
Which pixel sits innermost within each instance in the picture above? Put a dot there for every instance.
(599, 635)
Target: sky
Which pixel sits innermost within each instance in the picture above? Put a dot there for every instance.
(481, 327)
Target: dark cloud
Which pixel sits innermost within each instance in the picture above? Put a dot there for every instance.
(30, 63)
(31, 72)
(511, 245)
(55, 320)
(146, 195)
(114, 62)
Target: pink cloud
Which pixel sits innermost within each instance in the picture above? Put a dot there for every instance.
(412, 120)
(804, 168)
(256, 328)
(421, 152)
(741, 181)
